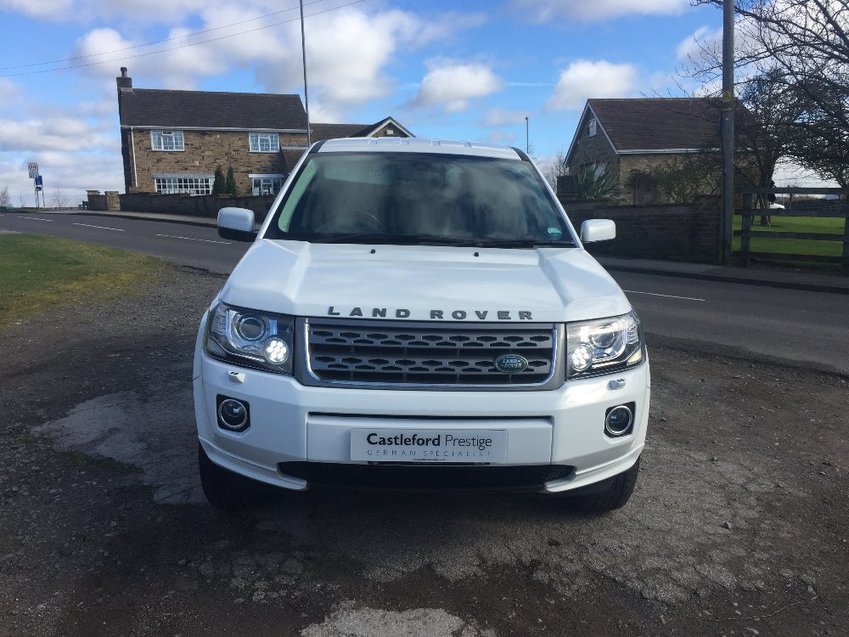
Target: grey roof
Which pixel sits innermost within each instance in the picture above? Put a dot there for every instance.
(208, 109)
(332, 131)
(335, 131)
(659, 123)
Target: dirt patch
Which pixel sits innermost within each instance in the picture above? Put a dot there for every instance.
(738, 523)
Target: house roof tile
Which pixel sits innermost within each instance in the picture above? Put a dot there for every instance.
(206, 109)
(332, 131)
(659, 123)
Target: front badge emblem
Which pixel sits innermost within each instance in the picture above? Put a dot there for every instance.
(511, 363)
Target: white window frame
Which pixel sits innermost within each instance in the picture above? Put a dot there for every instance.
(159, 137)
(264, 142)
(592, 127)
(270, 178)
(183, 183)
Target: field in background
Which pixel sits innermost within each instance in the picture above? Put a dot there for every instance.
(825, 225)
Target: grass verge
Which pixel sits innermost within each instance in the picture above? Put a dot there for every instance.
(39, 273)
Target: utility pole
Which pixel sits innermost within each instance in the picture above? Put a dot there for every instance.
(527, 136)
(304, 58)
(727, 129)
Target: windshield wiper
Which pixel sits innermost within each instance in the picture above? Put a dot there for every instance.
(388, 239)
(376, 238)
(525, 243)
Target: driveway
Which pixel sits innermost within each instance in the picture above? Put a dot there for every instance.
(737, 527)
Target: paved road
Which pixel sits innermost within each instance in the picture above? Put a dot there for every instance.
(808, 328)
(195, 246)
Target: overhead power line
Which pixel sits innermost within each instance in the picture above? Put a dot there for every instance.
(172, 48)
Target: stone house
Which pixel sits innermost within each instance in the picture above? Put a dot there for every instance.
(172, 141)
(633, 137)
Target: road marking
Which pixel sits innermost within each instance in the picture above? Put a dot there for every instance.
(88, 225)
(38, 219)
(667, 296)
(174, 236)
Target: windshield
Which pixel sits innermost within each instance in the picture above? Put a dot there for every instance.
(419, 198)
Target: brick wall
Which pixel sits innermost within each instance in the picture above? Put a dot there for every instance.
(204, 151)
(674, 232)
(193, 206)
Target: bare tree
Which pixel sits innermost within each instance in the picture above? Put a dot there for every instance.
(796, 55)
(5, 198)
(59, 199)
(557, 168)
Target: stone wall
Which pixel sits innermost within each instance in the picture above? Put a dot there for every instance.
(191, 205)
(204, 151)
(674, 232)
(592, 150)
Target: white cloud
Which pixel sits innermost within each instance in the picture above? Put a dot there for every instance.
(503, 138)
(9, 91)
(348, 51)
(49, 134)
(502, 117)
(70, 173)
(583, 79)
(453, 85)
(594, 11)
(694, 45)
(37, 8)
(148, 11)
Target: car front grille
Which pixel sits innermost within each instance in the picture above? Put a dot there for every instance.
(389, 353)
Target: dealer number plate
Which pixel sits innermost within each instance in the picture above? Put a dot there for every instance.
(429, 445)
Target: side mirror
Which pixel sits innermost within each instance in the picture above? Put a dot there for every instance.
(598, 230)
(236, 224)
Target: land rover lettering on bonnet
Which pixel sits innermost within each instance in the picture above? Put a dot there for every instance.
(416, 313)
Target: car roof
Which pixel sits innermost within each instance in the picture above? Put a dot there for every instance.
(417, 145)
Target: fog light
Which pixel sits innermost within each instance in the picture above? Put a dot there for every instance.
(619, 421)
(233, 415)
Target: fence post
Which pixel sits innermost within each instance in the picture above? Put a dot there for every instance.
(746, 225)
(845, 252)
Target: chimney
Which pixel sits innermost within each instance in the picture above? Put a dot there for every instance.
(124, 82)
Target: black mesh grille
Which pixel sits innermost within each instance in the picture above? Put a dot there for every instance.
(441, 476)
(452, 354)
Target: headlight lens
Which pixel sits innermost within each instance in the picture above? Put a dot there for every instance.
(604, 346)
(250, 338)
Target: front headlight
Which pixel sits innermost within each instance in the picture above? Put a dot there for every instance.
(250, 338)
(603, 346)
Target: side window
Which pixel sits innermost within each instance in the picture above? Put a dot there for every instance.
(592, 127)
(264, 142)
(169, 140)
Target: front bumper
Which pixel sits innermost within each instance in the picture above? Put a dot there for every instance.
(293, 424)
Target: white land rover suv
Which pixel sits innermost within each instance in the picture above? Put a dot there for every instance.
(415, 314)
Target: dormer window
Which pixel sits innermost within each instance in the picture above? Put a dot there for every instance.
(167, 140)
(592, 127)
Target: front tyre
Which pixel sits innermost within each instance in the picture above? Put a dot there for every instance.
(224, 489)
(614, 497)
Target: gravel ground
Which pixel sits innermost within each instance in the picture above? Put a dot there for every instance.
(738, 525)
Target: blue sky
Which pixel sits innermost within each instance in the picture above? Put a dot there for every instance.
(470, 70)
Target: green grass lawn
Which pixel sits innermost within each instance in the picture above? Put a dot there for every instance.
(825, 225)
(45, 273)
